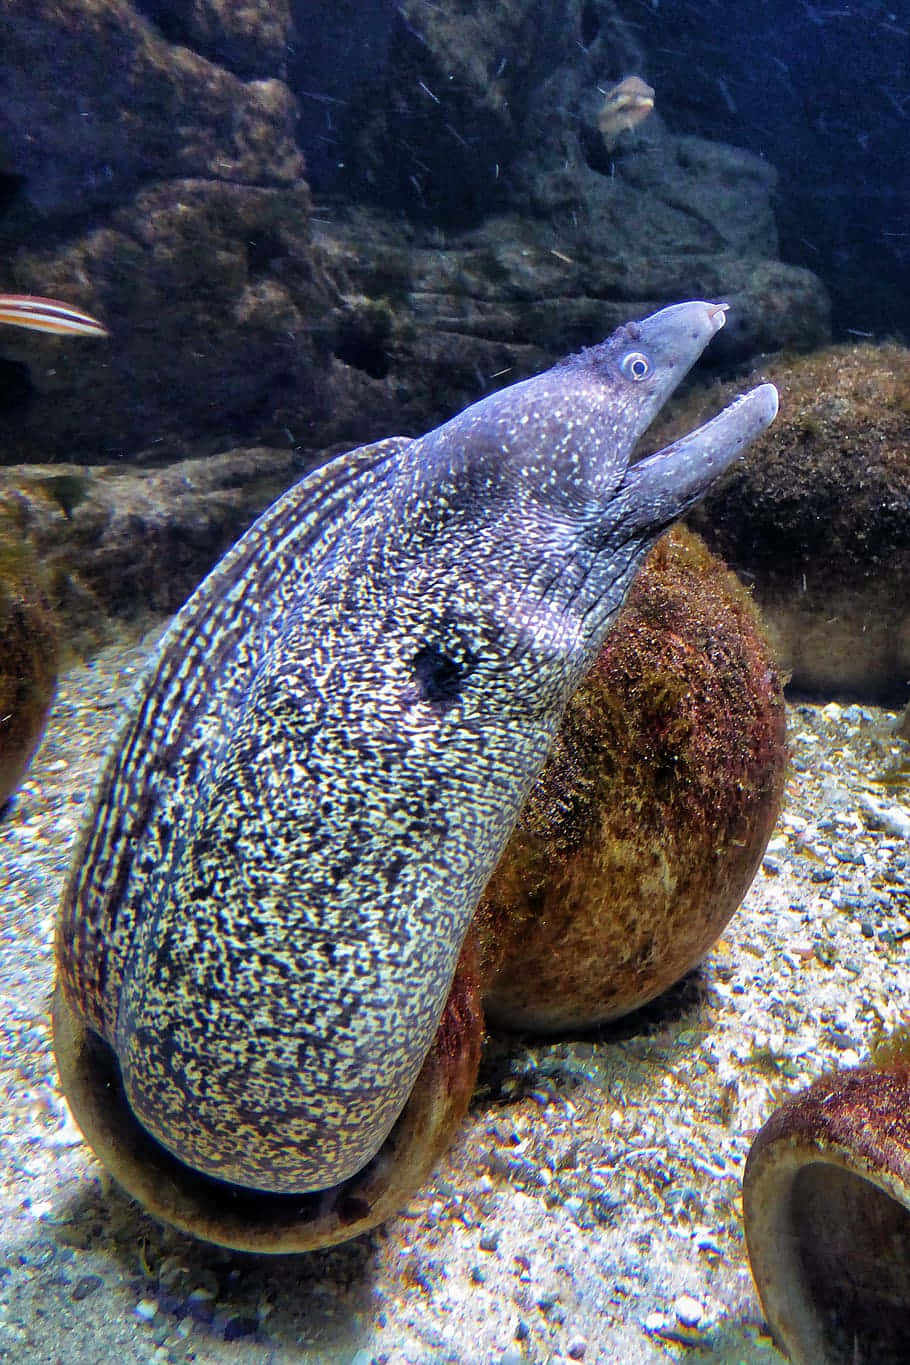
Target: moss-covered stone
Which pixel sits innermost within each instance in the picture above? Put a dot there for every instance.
(816, 518)
(647, 823)
(120, 545)
(28, 657)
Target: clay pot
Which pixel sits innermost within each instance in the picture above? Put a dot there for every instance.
(826, 1201)
(814, 518)
(28, 658)
(252, 1220)
(643, 831)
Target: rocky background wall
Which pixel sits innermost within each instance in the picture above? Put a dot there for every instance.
(309, 226)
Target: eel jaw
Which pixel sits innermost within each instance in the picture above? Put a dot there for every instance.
(661, 487)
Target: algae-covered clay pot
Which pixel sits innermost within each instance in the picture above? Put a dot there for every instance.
(645, 827)
(826, 1202)
(28, 658)
(256, 1220)
(815, 518)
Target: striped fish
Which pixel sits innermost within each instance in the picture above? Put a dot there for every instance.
(48, 315)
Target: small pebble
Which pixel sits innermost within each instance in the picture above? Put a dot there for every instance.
(239, 1326)
(576, 1348)
(201, 1305)
(892, 819)
(146, 1309)
(489, 1240)
(85, 1285)
(688, 1310)
(849, 855)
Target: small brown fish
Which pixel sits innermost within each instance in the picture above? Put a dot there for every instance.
(48, 315)
(625, 106)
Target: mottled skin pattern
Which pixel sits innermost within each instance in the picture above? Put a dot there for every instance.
(331, 747)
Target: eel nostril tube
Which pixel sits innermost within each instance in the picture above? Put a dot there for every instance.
(826, 1203)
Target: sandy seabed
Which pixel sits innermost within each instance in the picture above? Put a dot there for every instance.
(589, 1210)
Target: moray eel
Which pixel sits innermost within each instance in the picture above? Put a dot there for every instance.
(331, 746)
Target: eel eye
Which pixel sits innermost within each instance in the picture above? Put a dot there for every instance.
(634, 365)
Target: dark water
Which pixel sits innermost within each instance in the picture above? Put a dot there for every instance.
(822, 91)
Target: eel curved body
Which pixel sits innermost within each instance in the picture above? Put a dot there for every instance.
(331, 746)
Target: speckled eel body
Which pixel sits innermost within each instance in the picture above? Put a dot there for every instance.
(332, 744)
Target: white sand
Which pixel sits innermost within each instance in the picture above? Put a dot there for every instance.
(590, 1209)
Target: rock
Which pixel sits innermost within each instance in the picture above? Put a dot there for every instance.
(772, 307)
(28, 654)
(696, 64)
(120, 543)
(213, 300)
(435, 122)
(239, 327)
(249, 38)
(485, 125)
(815, 518)
(473, 236)
(429, 327)
(130, 109)
(698, 196)
(894, 820)
(649, 819)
